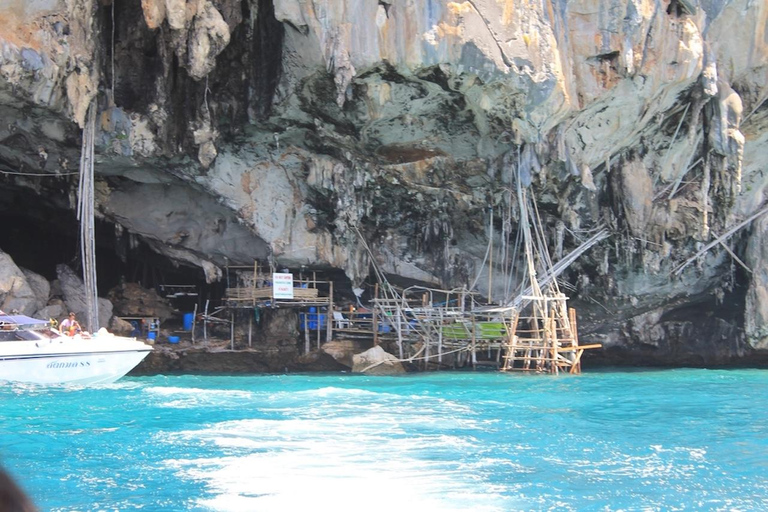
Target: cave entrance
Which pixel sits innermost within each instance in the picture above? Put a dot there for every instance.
(40, 234)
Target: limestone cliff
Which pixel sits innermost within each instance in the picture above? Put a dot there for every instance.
(239, 129)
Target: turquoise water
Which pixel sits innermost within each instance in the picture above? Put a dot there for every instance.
(644, 440)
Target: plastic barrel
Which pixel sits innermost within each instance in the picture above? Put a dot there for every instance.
(188, 319)
(151, 335)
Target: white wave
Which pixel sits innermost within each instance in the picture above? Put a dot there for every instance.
(186, 398)
(330, 479)
(175, 391)
(344, 463)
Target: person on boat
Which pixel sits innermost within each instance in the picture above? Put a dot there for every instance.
(70, 326)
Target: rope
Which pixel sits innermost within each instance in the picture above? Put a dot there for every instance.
(487, 251)
(39, 174)
(85, 214)
(113, 51)
(411, 359)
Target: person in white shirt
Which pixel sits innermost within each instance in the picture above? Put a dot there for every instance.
(70, 326)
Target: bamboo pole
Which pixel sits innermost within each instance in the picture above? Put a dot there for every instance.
(253, 289)
(553, 327)
(329, 316)
(474, 342)
(426, 346)
(440, 338)
(581, 347)
(194, 321)
(576, 367)
(490, 261)
(205, 322)
(721, 238)
(400, 333)
(375, 315)
(250, 328)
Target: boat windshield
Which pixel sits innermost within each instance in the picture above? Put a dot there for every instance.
(18, 336)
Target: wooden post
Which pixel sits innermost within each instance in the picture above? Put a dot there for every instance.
(374, 315)
(232, 330)
(553, 327)
(400, 333)
(474, 342)
(205, 322)
(426, 348)
(250, 328)
(253, 291)
(194, 320)
(306, 334)
(329, 316)
(576, 366)
(490, 261)
(440, 337)
(318, 326)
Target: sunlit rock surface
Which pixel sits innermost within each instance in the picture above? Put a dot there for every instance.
(294, 130)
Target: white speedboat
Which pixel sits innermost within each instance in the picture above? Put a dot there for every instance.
(31, 351)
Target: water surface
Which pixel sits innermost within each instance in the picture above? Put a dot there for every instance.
(643, 440)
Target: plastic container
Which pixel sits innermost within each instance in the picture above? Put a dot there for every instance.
(152, 335)
(173, 339)
(188, 319)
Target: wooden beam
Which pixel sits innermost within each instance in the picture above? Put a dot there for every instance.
(581, 347)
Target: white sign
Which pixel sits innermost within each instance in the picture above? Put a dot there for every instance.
(282, 286)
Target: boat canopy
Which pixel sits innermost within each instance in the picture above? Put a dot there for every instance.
(22, 321)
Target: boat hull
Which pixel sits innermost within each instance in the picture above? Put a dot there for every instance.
(82, 369)
(71, 361)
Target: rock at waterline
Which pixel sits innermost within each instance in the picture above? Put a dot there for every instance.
(342, 350)
(375, 361)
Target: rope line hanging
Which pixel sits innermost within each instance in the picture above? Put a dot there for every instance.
(85, 214)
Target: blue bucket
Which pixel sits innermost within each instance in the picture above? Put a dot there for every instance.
(173, 339)
(152, 336)
(188, 319)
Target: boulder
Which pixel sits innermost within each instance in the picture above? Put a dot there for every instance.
(120, 327)
(16, 295)
(54, 311)
(318, 361)
(40, 287)
(342, 350)
(73, 291)
(105, 312)
(375, 361)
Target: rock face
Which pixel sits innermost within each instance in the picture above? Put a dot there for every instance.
(130, 299)
(291, 130)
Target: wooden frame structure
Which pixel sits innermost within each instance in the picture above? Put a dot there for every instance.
(252, 288)
(534, 331)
